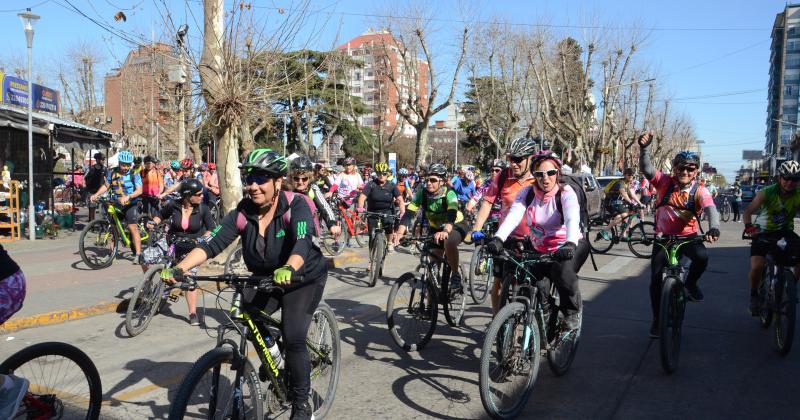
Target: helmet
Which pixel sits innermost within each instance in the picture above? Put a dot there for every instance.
(302, 164)
(125, 157)
(789, 169)
(212, 166)
(175, 165)
(190, 187)
(403, 172)
(99, 156)
(521, 147)
(470, 176)
(546, 154)
(686, 158)
(266, 160)
(187, 164)
(349, 161)
(437, 169)
(203, 166)
(381, 167)
(499, 163)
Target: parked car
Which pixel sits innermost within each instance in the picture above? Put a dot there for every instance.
(602, 181)
(594, 193)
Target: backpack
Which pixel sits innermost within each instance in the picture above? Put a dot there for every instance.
(577, 185)
(691, 203)
(241, 220)
(607, 190)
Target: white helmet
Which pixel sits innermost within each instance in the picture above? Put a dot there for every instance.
(789, 169)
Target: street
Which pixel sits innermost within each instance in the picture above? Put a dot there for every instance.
(728, 367)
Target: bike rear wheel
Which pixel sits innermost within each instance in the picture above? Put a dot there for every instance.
(214, 387)
(510, 360)
(145, 301)
(98, 244)
(765, 314)
(234, 264)
(411, 312)
(725, 214)
(564, 345)
(376, 258)
(641, 238)
(480, 274)
(325, 356)
(597, 242)
(454, 299)
(63, 380)
(786, 312)
(673, 305)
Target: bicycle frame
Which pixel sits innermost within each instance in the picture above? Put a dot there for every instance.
(526, 292)
(671, 247)
(115, 217)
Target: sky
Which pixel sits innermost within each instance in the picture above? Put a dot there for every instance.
(711, 57)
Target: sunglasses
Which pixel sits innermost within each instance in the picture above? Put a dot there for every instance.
(384, 173)
(300, 178)
(497, 170)
(434, 180)
(688, 169)
(516, 159)
(200, 194)
(549, 172)
(258, 179)
(791, 179)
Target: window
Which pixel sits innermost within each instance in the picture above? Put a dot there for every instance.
(356, 89)
(357, 76)
(788, 90)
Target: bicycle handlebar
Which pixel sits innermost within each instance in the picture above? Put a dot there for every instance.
(265, 283)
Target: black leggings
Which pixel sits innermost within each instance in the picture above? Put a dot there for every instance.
(695, 251)
(735, 209)
(298, 305)
(566, 275)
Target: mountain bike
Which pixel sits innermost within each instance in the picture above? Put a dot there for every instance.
(528, 327)
(413, 304)
(481, 266)
(63, 382)
(378, 244)
(351, 222)
(777, 292)
(724, 208)
(223, 384)
(672, 304)
(639, 234)
(99, 242)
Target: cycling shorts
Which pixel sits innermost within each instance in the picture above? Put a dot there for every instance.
(131, 212)
(763, 243)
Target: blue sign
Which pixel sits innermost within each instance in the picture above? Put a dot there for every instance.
(393, 164)
(15, 92)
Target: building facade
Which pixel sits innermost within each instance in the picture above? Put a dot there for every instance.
(142, 102)
(784, 87)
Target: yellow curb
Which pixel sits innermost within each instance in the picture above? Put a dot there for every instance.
(341, 260)
(57, 317)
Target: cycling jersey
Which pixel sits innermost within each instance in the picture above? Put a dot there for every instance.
(123, 184)
(198, 223)
(547, 232)
(777, 213)
(152, 182)
(437, 208)
(464, 189)
(380, 197)
(348, 183)
(479, 195)
(674, 218)
(508, 194)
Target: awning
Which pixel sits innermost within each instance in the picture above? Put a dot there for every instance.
(66, 133)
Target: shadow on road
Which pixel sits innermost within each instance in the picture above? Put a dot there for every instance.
(165, 375)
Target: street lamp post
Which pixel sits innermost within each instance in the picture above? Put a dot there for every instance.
(456, 104)
(28, 19)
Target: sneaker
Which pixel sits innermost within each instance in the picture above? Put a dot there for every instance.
(194, 320)
(11, 397)
(573, 321)
(654, 330)
(605, 235)
(137, 259)
(693, 293)
(302, 411)
(391, 249)
(755, 306)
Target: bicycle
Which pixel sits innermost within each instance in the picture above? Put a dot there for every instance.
(379, 245)
(672, 304)
(63, 382)
(522, 331)
(98, 244)
(352, 223)
(334, 245)
(640, 234)
(481, 266)
(233, 387)
(415, 297)
(724, 208)
(777, 291)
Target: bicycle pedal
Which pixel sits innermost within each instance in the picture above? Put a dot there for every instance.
(172, 298)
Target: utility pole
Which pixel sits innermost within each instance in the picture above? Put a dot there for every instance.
(181, 37)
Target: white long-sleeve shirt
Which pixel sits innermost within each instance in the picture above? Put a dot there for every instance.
(547, 233)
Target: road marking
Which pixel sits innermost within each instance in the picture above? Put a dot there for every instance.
(58, 317)
(614, 265)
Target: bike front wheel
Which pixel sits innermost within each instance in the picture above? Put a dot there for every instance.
(377, 255)
(145, 301)
(219, 386)
(725, 214)
(510, 360)
(64, 382)
(481, 272)
(325, 357)
(786, 312)
(98, 244)
(597, 240)
(641, 239)
(670, 318)
(411, 312)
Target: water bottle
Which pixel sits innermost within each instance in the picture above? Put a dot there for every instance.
(274, 351)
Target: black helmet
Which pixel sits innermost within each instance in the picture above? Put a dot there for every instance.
(99, 156)
(266, 160)
(437, 169)
(499, 163)
(190, 187)
(521, 147)
(149, 158)
(349, 161)
(302, 164)
(137, 160)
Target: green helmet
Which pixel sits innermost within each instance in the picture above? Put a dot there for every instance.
(267, 161)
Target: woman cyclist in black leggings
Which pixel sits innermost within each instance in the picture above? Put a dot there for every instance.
(189, 219)
(277, 231)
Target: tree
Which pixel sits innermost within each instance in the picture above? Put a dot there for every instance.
(77, 75)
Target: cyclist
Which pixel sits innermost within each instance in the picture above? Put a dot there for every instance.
(186, 172)
(12, 294)
(682, 199)
(126, 187)
(303, 183)
(551, 231)
(278, 238)
(463, 186)
(503, 191)
(94, 179)
(322, 179)
(618, 200)
(775, 208)
(350, 181)
(189, 219)
(210, 180)
(152, 185)
(439, 206)
(498, 165)
(381, 196)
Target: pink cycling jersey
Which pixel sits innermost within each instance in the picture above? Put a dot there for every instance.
(547, 233)
(672, 218)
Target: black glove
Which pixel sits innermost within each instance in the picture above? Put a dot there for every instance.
(565, 252)
(713, 232)
(495, 246)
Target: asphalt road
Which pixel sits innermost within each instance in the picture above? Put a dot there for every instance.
(729, 368)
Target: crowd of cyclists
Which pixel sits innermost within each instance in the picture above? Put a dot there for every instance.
(287, 203)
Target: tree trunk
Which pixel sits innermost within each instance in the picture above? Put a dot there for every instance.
(421, 148)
